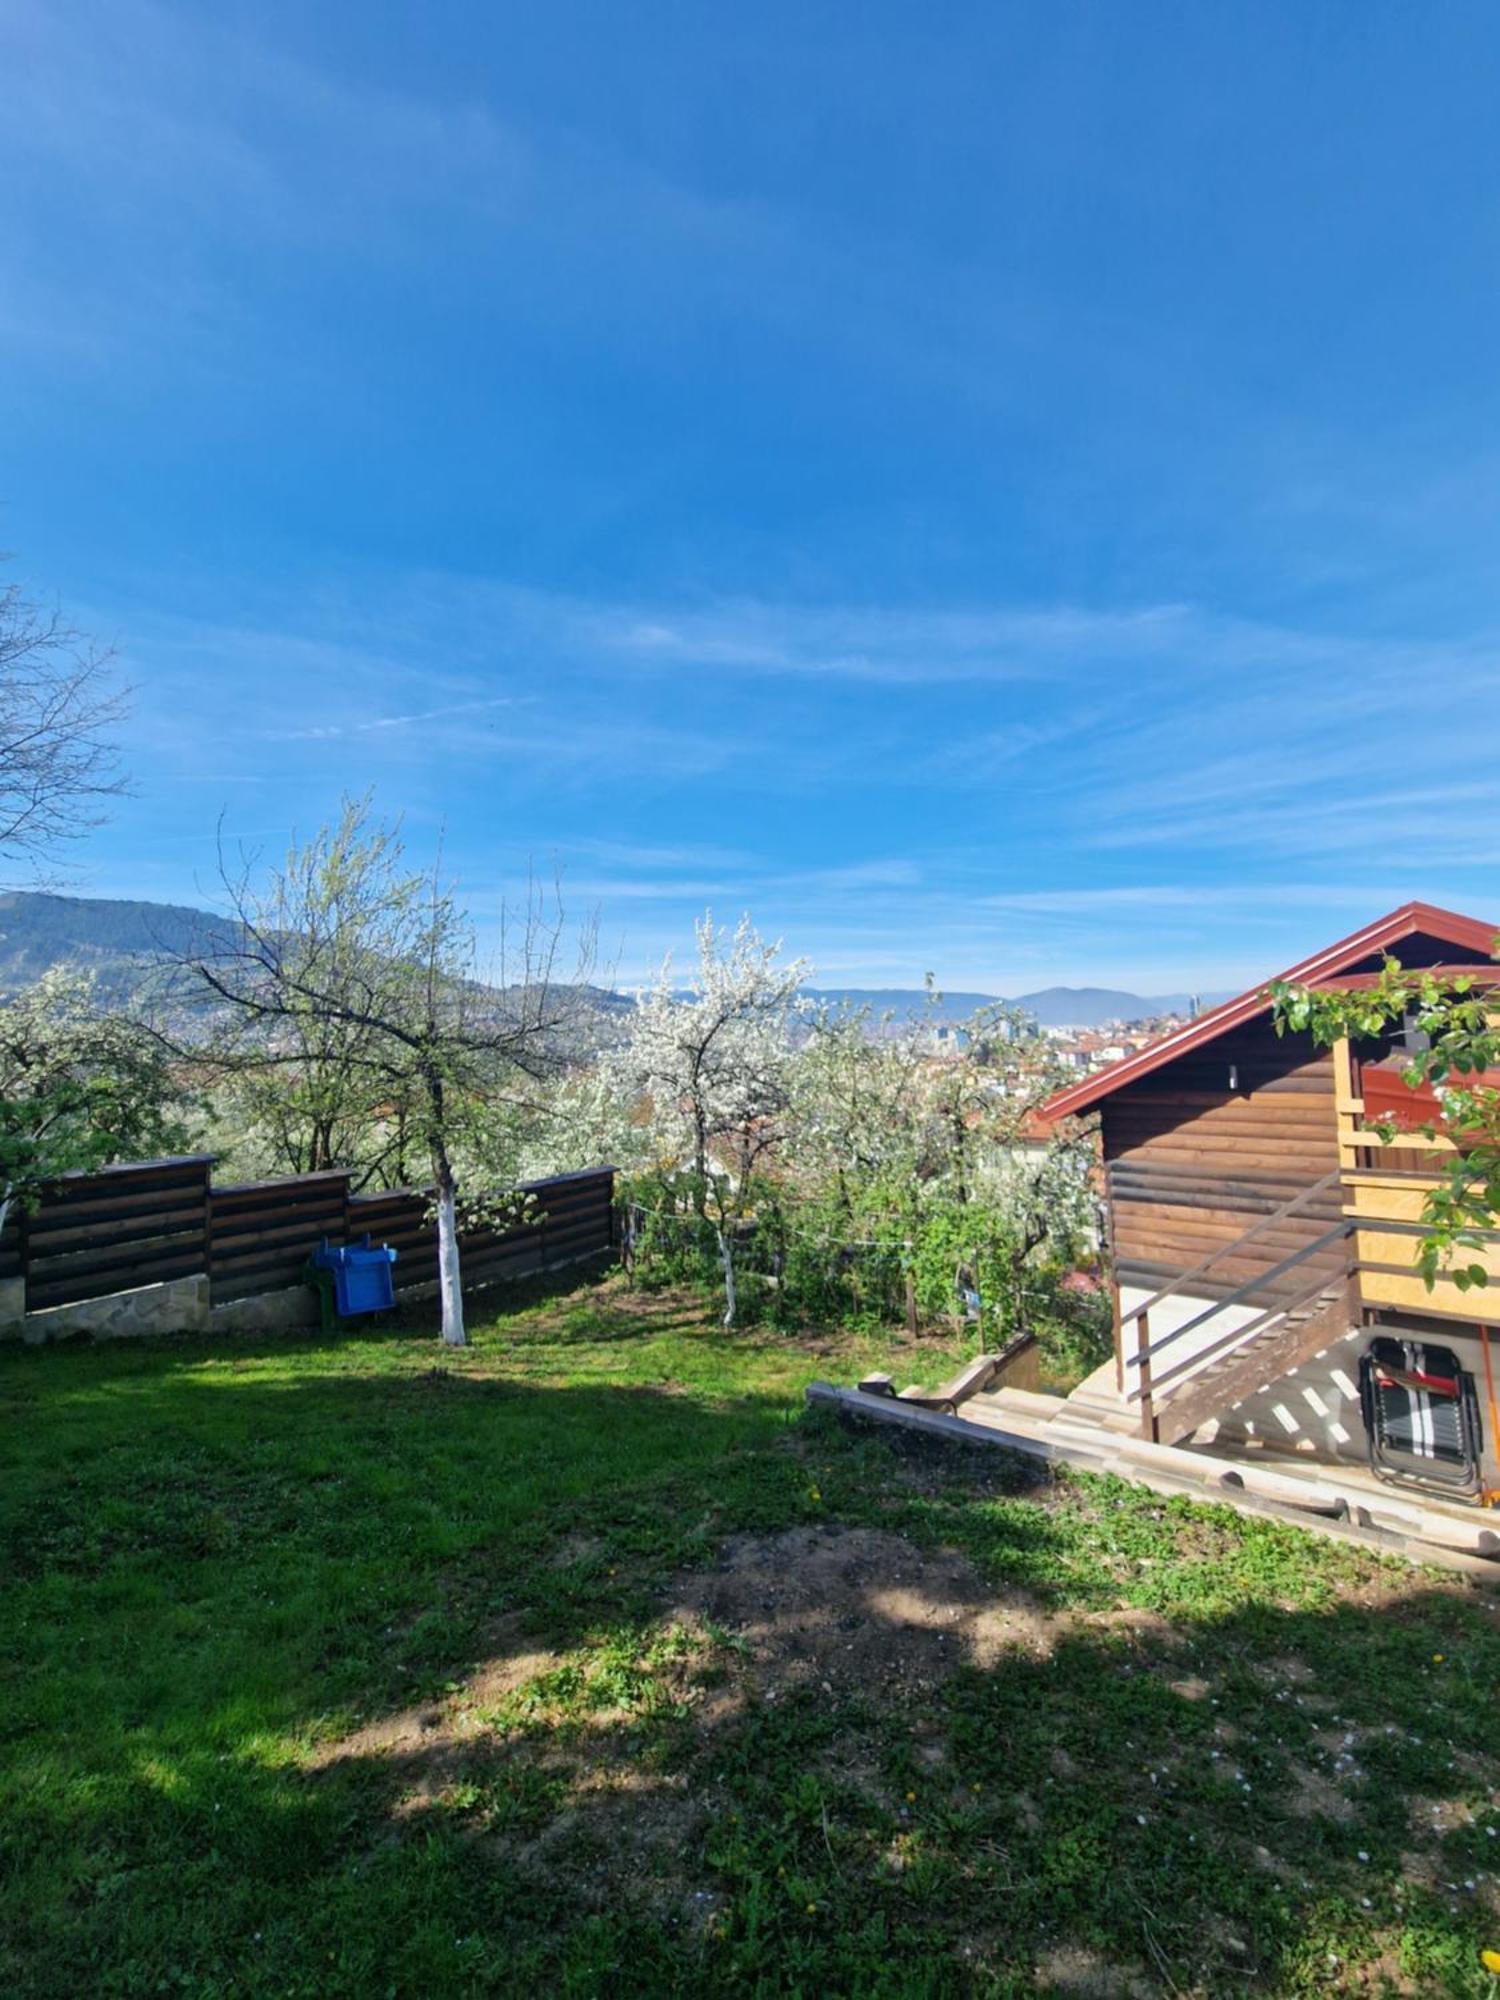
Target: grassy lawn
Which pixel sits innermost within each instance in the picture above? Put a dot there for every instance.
(585, 1661)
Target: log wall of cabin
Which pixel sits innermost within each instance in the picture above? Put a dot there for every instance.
(1196, 1155)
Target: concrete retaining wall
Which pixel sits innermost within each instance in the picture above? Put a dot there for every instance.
(180, 1305)
(12, 1308)
(292, 1310)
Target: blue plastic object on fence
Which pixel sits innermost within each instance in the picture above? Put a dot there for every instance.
(364, 1279)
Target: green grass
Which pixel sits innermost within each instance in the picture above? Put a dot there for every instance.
(354, 1666)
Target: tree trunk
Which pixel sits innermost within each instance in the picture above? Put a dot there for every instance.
(450, 1285)
(726, 1257)
(700, 1162)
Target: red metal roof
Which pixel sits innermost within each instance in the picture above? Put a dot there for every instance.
(1468, 933)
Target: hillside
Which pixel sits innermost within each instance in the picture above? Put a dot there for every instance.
(1092, 1006)
(122, 943)
(119, 941)
(1052, 1006)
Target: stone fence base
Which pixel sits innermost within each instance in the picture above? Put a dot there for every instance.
(183, 1305)
(180, 1305)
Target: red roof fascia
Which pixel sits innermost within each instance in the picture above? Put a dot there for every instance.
(1468, 933)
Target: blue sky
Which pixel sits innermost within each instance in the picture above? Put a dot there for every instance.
(1010, 490)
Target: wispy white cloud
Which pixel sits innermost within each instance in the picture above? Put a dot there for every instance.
(1098, 738)
(363, 725)
(637, 854)
(893, 646)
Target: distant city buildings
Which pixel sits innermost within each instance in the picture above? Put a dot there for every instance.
(1089, 1049)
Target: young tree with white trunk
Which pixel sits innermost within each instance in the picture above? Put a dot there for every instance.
(712, 1067)
(347, 949)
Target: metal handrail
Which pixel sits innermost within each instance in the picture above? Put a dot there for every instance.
(1225, 1249)
(1241, 1292)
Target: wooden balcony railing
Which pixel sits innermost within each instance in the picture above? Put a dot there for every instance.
(1386, 1184)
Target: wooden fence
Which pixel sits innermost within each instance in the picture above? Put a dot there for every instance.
(94, 1234)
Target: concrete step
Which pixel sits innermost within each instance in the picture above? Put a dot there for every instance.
(1113, 1417)
(1117, 1422)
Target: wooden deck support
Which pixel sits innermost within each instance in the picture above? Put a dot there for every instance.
(1143, 1375)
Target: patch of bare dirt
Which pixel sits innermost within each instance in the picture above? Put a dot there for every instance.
(845, 1608)
(434, 1729)
(621, 1831)
(1384, 1974)
(822, 1608)
(1435, 1818)
(1193, 1688)
(1314, 1796)
(1071, 1969)
(575, 1548)
(1133, 1619)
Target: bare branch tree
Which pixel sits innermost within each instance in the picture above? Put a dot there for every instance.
(59, 706)
(355, 980)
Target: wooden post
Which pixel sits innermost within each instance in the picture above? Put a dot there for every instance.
(1143, 1364)
(911, 1303)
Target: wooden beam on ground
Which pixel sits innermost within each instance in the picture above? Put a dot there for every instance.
(1211, 1481)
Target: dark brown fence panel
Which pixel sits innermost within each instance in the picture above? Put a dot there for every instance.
(575, 1216)
(92, 1234)
(399, 1217)
(570, 1216)
(12, 1263)
(261, 1234)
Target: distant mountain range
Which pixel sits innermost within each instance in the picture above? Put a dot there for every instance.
(1052, 1006)
(119, 942)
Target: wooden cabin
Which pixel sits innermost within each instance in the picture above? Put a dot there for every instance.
(1262, 1238)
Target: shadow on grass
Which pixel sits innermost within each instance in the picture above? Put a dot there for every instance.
(456, 1585)
(1110, 1818)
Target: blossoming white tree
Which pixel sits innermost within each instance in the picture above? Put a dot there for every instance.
(712, 1068)
(79, 1087)
(919, 1137)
